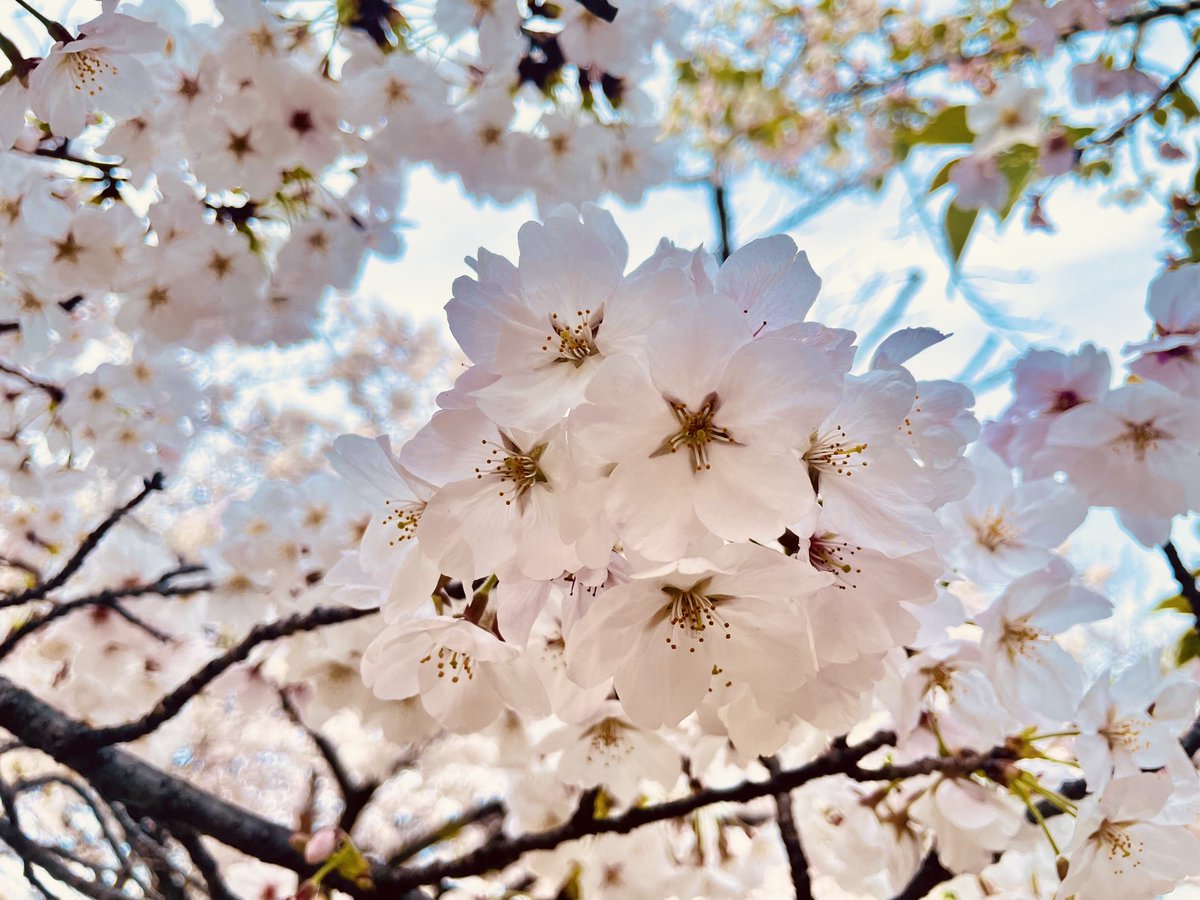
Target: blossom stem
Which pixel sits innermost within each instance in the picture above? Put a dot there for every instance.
(1054, 734)
(56, 30)
(9, 49)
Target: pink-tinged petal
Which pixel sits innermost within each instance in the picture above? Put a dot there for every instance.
(658, 686)
(689, 350)
(772, 284)
(750, 493)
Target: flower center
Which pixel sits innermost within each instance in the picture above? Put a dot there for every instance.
(1141, 436)
(826, 555)
(405, 517)
(1126, 734)
(517, 469)
(1018, 636)
(1117, 839)
(992, 530)
(452, 661)
(694, 612)
(696, 431)
(832, 453)
(87, 70)
(574, 342)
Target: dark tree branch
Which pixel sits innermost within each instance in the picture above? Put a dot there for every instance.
(929, 875)
(445, 832)
(790, 835)
(108, 600)
(724, 220)
(67, 305)
(53, 391)
(170, 705)
(602, 9)
(95, 804)
(205, 864)
(838, 760)
(1187, 581)
(355, 796)
(1170, 87)
(50, 860)
(37, 592)
(121, 778)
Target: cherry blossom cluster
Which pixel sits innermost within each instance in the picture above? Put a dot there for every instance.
(208, 217)
(834, 98)
(662, 514)
(1133, 447)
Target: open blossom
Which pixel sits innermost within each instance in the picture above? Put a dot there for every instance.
(671, 632)
(1011, 114)
(1000, 531)
(1046, 384)
(1033, 674)
(607, 750)
(499, 498)
(870, 487)
(1136, 449)
(1132, 724)
(1172, 355)
(545, 325)
(464, 675)
(703, 435)
(1121, 848)
(99, 71)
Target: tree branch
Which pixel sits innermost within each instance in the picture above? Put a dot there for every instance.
(53, 391)
(171, 704)
(355, 796)
(601, 9)
(1166, 90)
(445, 832)
(838, 760)
(790, 835)
(37, 592)
(1185, 578)
(724, 220)
(205, 864)
(108, 599)
(119, 777)
(929, 875)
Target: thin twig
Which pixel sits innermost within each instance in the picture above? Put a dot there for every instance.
(37, 592)
(53, 391)
(171, 704)
(445, 832)
(724, 219)
(107, 599)
(1170, 87)
(355, 796)
(205, 864)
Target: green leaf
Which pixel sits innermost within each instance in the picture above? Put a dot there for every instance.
(948, 127)
(1178, 603)
(1188, 647)
(943, 175)
(1192, 239)
(1017, 165)
(959, 223)
(1183, 102)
